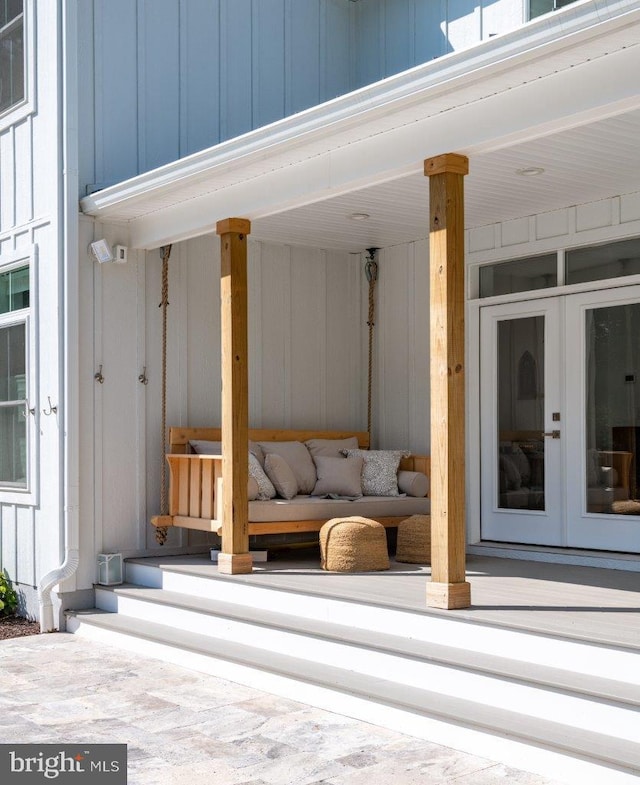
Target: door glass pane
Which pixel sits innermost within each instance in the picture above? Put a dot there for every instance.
(521, 413)
(612, 409)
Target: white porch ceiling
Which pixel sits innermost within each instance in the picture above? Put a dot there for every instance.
(581, 165)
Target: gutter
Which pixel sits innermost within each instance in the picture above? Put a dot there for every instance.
(542, 37)
(68, 329)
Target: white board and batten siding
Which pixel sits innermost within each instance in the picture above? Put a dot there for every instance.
(307, 337)
(165, 78)
(30, 532)
(160, 79)
(394, 35)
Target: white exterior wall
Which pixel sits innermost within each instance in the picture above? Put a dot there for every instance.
(160, 79)
(307, 339)
(30, 533)
(393, 35)
(165, 78)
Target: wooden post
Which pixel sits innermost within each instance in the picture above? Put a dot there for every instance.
(447, 588)
(234, 557)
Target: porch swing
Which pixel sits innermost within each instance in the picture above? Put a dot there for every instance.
(192, 498)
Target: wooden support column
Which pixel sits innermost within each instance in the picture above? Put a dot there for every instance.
(448, 587)
(234, 557)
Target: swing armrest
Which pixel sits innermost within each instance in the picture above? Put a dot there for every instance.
(195, 488)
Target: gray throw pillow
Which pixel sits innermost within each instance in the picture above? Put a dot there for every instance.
(338, 476)
(299, 460)
(331, 447)
(380, 470)
(413, 483)
(280, 474)
(265, 486)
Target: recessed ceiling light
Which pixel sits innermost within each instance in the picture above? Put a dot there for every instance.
(359, 216)
(530, 171)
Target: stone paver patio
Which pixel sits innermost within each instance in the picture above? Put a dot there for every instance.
(185, 727)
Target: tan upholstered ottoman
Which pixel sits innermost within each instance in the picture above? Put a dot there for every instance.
(353, 544)
(414, 540)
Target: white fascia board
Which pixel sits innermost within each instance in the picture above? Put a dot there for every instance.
(536, 109)
(367, 110)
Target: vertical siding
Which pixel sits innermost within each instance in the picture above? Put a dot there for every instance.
(115, 33)
(199, 74)
(268, 63)
(7, 179)
(401, 355)
(158, 82)
(235, 67)
(176, 76)
(393, 35)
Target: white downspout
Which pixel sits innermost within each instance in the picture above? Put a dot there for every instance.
(68, 320)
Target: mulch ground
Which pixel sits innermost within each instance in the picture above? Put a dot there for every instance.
(16, 627)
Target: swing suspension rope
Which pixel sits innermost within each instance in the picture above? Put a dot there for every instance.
(161, 531)
(371, 272)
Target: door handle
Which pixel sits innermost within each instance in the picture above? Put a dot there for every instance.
(553, 434)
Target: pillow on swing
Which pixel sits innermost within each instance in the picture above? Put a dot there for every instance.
(265, 487)
(380, 470)
(299, 460)
(280, 474)
(338, 476)
(330, 448)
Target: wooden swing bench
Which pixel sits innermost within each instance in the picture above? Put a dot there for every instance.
(195, 488)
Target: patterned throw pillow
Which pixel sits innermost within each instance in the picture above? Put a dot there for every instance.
(380, 470)
(265, 486)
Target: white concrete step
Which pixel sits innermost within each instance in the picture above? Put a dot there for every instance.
(587, 702)
(563, 653)
(550, 747)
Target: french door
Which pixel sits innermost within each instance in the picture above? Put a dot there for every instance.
(560, 421)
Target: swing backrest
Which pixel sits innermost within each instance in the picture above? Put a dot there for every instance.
(179, 437)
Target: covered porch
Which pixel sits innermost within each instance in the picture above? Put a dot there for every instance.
(515, 107)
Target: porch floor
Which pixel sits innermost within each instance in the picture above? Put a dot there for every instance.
(586, 603)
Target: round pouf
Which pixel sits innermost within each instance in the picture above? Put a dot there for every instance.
(353, 544)
(414, 540)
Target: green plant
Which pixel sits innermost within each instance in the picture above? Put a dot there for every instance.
(8, 596)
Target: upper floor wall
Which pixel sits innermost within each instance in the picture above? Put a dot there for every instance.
(160, 79)
(394, 35)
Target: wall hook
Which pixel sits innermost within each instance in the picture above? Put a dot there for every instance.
(143, 376)
(52, 409)
(98, 376)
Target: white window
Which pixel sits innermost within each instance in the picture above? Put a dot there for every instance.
(12, 54)
(17, 460)
(539, 7)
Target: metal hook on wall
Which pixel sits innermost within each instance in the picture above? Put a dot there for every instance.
(52, 409)
(143, 376)
(98, 376)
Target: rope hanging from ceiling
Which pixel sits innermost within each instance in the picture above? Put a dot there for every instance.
(161, 531)
(371, 273)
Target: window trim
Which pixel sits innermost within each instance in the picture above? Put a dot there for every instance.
(26, 496)
(14, 114)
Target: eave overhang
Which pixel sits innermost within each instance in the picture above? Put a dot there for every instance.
(558, 72)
